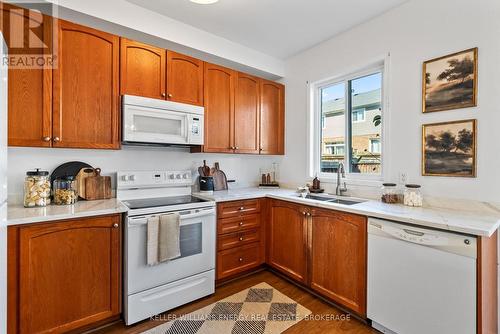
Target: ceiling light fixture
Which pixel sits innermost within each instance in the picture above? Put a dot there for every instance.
(204, 2)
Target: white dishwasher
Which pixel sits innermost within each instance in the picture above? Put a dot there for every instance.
(420, 280)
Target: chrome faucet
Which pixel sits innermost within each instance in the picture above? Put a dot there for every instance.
(340, 172)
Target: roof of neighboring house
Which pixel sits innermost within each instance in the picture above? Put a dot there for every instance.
(362, 100)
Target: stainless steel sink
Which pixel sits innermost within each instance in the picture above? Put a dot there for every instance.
(331, 199)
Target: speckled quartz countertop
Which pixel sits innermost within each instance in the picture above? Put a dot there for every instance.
(17, 214)
(469, 217)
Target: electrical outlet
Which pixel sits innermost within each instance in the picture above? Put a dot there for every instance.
(403, 178)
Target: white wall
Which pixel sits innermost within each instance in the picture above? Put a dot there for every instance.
(243, 168)
(412, 33)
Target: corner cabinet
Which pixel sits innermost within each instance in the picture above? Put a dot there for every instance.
(287, 239)
(243, 113)
(86, 96)
(69, 271)
(325, 250)
(272, 118)
(29, 90)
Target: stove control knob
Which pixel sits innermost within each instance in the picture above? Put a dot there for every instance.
(171, 176)
(125, 178)
(186, 176)
(178, 176)
(132, 177)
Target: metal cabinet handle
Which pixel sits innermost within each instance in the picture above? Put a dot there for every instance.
(169, 96)
(46, 138)
(115, 225)
(56, 139)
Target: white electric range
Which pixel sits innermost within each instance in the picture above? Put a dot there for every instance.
(150, 290)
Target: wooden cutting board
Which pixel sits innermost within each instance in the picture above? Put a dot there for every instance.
(80, 179)
(220, 179)
(97, 186)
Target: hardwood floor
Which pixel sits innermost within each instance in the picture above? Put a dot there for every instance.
(316, 305)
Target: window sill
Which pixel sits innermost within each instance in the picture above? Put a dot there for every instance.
(375, 182)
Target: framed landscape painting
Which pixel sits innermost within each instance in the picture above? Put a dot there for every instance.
(450, 82)
(449, 149)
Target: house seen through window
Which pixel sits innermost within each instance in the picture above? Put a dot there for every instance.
(351, 129)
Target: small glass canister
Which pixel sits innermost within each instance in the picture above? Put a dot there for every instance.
(390, 193)
(413, 195)
(36, 189)
(65, 191)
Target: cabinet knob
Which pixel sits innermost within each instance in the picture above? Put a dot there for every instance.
(163, 94)
(115, 225)
(46, 138)
(303, 213)
(308, 213)
(261, 149)
(169, 96)
(241, 223)
(241, 238)
(56, 139)
(241, 259)
(242, 208)
(236, 148)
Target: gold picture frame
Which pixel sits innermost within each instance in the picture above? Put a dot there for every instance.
(450, 82)
(450, 148)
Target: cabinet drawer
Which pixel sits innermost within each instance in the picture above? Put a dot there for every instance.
(237, 239)
(236, 260)
(238, 208)
(237, 224)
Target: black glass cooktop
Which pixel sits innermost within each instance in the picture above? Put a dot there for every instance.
(161, 201)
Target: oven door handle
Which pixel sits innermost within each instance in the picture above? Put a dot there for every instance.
(136, 221)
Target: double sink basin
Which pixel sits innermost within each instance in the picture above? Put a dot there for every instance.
(332, 199)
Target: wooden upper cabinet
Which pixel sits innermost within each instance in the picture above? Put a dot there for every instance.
(29, 90)
(287, 239)
(86, 96)
(338, 257)
(246, 114)
(142, 69)
(272, 118)
(68, 274)
(219, 109)
(184, 79)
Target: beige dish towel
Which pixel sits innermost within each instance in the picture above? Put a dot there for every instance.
(169, 237)
(152, 244)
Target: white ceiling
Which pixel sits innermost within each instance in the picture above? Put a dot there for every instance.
(279, 28)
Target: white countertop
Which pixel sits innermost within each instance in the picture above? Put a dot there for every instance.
(469, 217)
(17, 214)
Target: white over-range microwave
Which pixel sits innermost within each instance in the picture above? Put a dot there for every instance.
(149, 121)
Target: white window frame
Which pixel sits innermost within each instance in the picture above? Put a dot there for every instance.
(314, 125)
(363, 110)
(371, 144)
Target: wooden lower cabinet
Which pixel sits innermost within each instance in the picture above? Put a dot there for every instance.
(287, 239)
(64, 275)
(240, 238)
(338, 257)
(325, 250)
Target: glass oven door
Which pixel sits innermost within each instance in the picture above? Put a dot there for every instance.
(197, 243)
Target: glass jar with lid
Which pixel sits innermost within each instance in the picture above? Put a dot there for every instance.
(36, 189)
(65, 190)
(390, 193)
(413, 195)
